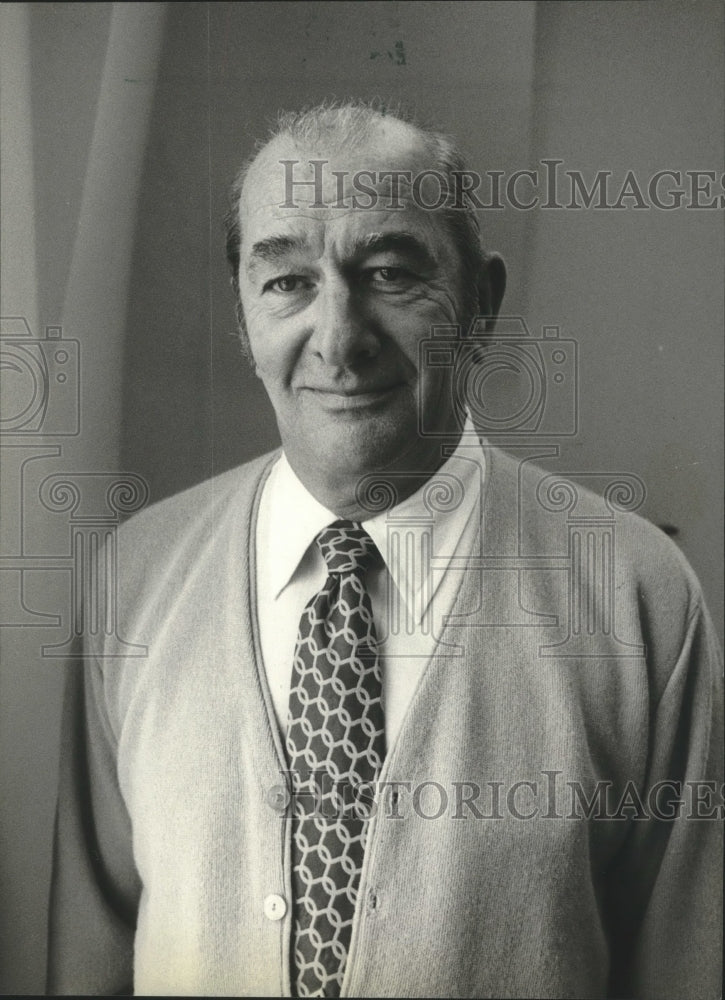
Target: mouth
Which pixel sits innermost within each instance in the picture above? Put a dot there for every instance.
(356, 398)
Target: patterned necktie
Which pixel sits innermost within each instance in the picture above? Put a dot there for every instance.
(336, 730)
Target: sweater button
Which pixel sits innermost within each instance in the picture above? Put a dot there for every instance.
(275, 907)
(278, 797)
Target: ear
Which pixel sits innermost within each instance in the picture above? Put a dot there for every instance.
(491, 288)
(242, 326)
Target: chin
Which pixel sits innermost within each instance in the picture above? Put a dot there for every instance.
(373, 448)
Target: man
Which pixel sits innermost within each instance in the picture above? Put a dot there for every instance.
(366, 660)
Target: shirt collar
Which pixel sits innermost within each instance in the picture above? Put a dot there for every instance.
(440, 509)
(295, 520)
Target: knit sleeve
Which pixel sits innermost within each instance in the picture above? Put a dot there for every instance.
(666, 889)
(95, 887)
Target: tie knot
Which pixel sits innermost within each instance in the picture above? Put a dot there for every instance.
(346, 547)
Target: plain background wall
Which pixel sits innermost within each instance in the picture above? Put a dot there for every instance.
(600, 86)
(639, 86)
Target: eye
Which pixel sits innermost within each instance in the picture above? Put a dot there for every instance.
(394, 278)
(286, 284)
(389, 273)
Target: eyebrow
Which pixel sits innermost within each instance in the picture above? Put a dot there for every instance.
(399, 242)
(274, 249)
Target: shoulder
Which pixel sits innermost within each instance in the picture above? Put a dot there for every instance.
(548, 503)
(196, 509)
(168, 565)
(594, 548)
(164, 543)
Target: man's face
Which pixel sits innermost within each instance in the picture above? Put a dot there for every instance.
(336, 302)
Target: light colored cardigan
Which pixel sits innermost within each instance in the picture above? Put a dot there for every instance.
(166, 774)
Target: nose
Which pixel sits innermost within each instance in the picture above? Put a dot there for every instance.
(342, 335)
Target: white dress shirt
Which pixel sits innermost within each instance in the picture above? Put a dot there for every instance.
(412, 592)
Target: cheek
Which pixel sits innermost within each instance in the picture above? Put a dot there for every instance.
(409, 324)
(278, 355)
(260, 331)
(268, 358)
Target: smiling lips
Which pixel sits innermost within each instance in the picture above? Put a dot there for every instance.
(353, 398)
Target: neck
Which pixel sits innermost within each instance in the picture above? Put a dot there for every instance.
(358, 495)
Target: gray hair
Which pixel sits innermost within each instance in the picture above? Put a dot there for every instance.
(342, 122)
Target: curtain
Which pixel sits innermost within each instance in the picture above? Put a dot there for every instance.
(77, 89)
